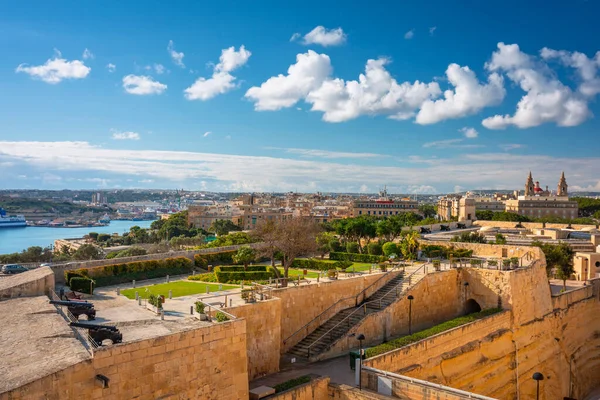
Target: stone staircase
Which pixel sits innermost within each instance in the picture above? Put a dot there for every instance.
(339, 325)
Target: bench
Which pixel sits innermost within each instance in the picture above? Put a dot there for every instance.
(217, 303)
(74, 296)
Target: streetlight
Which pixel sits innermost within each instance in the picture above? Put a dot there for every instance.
(410, 299)
(360, 338)
(537, 376)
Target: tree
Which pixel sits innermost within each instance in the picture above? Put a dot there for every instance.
(500, 239)
(93, 236)
(293, 237)
(223, 227)
(374, 249)
(410, 245)
(245, 255)
(352, 247)
(323, 239)
(390, 248)
(485, 215)
(87, 252)
(428, 210)
(103, 237)
(266, 232)
(559, 259)
(469, 237)
(335, 245)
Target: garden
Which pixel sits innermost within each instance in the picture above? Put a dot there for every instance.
(178, 288)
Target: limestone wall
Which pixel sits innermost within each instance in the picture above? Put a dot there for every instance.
(301, 304)
(438, 297)
(491, 250)
(528, 225)
(345, 392)
(205, 363)
(315, 389)
(263, 335)
(36, 282)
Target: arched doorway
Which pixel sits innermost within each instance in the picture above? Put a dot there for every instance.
(472, 307)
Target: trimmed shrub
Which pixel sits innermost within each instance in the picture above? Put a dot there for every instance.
(374, 249)
(138, 270)
(225, 277)
(204, 260)
(80, 273)
(234, 268)
(206, 277)
(365, 258)
(221, 317)
(433, 251)
(460, 253)
(415, 337)
(292, 383)
(82, 284)
(335, 245)
(390, 248)
(199, 307)
(352, 247)
(320, 265)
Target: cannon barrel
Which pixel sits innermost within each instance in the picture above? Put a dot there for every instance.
(80, 304)
(94, 326)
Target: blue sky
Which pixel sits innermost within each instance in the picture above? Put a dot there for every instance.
(268, 96)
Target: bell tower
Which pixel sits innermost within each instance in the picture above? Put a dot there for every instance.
(562, 189)
(529, 186)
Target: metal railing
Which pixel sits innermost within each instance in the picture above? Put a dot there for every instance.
(364, 291)
(493, 263)
(350, 301)
(81, 333)
(363, 307)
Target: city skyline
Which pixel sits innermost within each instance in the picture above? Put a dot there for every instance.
(284, 99)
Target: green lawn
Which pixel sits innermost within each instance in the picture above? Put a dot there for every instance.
(294, 273)
(358, 266)
(179, 288)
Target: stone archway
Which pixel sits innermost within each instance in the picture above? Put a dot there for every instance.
(472, 306)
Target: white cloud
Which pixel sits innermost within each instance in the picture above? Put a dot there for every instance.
(111, 67)
(56, 69)
(432, 30)
(231, 59)
(587, 68)
(206, 134)
(228, 137)
(451, 143)
(363, 189)
(546, 99)
(410, 34)
(322, 36)
(510, 146)
(158, 68)
(88, 54)
(468, 96)
(221, 80)
(117, 135)
(227, 172)
(458, 189)
(375, 92)
(421, 189)
(308, 73)
(470, 133)
(142, 85)
(327, 154)
(177, 57)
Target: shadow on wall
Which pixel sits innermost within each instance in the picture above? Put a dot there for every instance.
(472, 306)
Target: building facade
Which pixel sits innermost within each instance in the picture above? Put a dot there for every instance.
(461, 208)
(538, 202)
(383, 206)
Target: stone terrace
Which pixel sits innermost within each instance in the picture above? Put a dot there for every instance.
(36, 342)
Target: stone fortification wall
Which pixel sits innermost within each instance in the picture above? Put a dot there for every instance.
(492, 250)
(263, 335)
(205, 363)
(37, 282)
(528, 225)
(315, 389)
(301, 304)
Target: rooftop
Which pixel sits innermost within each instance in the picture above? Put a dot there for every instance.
(36, 342)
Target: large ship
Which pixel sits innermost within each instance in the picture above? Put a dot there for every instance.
(13, 221)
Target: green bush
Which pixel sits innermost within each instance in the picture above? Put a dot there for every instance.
(492, 263)
(292, 383)
(233, 268)
(221, 317)
(365, 258)
(390, 248)
(155, 300)
(352, 247)
(204, 260)
(206, 277)
(415, 337)
(335, 245)
(138, 270)
(320, 265)
(199, 307)
(374, 249)
(226, 277)
(460, 253)
(82, 284)
(433, 251)
(80, 273)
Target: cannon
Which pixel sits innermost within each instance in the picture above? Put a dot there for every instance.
(99, 333)
(77, 308)
(444, 228)
(425, 230)
(461, 226)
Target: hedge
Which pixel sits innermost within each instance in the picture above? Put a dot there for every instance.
(206, 277)
(320, 265)
(204, 260)
(80, 273)
(460, 253)
(225, 277)
(365, 258)
(138, 270)
(292, 383)
(415, 337)
(236, 268)
(81, 284)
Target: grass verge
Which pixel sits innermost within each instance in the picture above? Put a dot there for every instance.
(180, 288)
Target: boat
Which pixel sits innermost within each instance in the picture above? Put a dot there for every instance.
(105, 219)
(11, 221)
